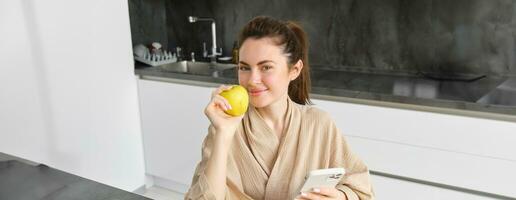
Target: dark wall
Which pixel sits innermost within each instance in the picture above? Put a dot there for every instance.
(148, 22)
(442, 36)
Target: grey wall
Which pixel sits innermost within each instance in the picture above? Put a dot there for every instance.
(441, 36)
(148, 22)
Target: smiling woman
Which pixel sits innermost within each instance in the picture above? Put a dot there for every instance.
(263, 71)
(267, 152)
(279, 51)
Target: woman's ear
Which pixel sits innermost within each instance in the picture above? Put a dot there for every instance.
(296, 70)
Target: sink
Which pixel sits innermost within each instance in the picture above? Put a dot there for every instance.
(230, 72)
(200, 68)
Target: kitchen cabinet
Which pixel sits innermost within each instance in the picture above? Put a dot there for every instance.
(465, 152)
(173, 126)
(456, 151)
(390, 188)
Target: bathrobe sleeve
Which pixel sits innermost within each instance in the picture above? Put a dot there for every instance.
(200, 188)
(356, 183)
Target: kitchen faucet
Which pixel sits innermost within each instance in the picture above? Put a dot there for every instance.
(214, 53)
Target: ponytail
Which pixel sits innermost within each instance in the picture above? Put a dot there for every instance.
(299, 88)
(295, 42)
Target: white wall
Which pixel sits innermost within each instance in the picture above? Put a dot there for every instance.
(68, 95)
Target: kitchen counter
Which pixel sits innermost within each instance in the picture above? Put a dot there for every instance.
(487, 97)
(19, 180)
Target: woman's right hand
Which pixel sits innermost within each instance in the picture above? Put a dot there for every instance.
(223, 123)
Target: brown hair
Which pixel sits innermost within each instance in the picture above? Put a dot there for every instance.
(293, 38)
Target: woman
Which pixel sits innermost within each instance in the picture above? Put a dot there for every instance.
(267, 152)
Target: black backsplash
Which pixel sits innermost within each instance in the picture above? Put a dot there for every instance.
(148, 22)
(437, 36)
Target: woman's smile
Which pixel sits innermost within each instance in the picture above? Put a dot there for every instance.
(257, 92)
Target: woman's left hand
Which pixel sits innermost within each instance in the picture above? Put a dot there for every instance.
(323, 194)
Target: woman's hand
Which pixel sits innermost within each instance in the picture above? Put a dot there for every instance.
(223, 123)
(323, 194)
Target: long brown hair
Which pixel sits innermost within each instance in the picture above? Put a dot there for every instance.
(293, 38)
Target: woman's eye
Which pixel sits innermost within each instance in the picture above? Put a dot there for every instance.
(243, 68)
(267, 67)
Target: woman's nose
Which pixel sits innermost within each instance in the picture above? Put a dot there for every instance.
(255, 77)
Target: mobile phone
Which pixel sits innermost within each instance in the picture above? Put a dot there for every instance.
(322, 178)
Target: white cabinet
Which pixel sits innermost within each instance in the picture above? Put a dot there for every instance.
(389, 188)
(173, 126)
(470, 153)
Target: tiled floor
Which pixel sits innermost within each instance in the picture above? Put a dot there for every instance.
(159, 193)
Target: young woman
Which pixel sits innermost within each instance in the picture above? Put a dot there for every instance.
(267, 152)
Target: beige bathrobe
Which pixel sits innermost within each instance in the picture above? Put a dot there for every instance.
(262, 166)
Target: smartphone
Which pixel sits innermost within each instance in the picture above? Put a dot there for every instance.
(322, 178)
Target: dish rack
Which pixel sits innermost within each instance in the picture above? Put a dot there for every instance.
(157, 59)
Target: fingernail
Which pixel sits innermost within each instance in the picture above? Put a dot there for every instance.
(303, 194)
(317, 190)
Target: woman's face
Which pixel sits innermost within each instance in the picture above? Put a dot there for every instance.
(264, 72)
